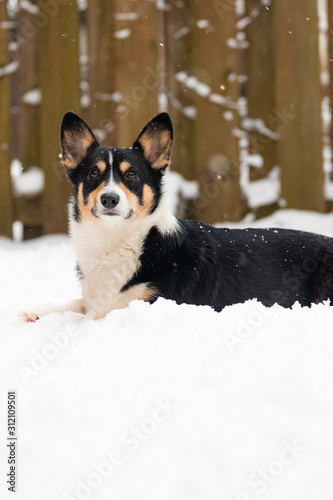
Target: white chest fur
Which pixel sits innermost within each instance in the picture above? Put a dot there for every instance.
(108, 257)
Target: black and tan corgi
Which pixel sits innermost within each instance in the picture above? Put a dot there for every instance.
(129, 245)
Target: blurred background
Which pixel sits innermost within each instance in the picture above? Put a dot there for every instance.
(246, 82)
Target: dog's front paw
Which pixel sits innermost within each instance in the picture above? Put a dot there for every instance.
(29, 317)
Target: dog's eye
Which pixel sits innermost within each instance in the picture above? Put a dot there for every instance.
(131, 175)
(94, 174)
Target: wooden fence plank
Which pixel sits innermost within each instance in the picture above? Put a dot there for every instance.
(5, 179)
(216, 151)
(298, 103)
(330, 55)
(259, 87)
(28, 209)
(27, 81)
(103, 101)
(59, 77)
(135, 64)
(178, 22)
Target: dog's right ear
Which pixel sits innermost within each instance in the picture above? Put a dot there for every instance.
(76, 138)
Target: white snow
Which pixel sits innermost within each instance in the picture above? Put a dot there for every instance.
(203, 23)
(181, 76)
(264, 191)
(85, 101)
(126, 16)
(163, 401)
(192, 82)
(121, 34)
(162, 5)
(15, 168)
(182, 32)
(177, 187)
(29, 7)
(235, 43)
(190, 112)
(256, 160)
(228, 115)
(82, 5)
(240, 7)
(8, 25)
(202, 89)
(30, 182)
(258, 125)
(9, 68)
(18, 230)
(33, 97)
(326, 114)
(261, 192)
(242, 23)
(163, 102)
(223, 101)
(328, 189)
(104, 96)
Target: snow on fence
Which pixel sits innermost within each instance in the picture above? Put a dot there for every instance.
(247, 83)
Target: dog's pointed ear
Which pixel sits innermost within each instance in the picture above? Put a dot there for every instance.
(155, 141)
(76, 138)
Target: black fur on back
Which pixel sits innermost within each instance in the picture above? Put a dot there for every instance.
(204, 265)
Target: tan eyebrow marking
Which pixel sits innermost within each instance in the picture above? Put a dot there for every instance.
(101, 165)
(124, 166)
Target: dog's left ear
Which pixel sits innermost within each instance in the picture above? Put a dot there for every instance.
(155, 141)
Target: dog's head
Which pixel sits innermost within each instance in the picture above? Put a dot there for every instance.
(109, 182)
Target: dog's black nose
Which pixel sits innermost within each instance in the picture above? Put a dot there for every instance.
(110, 200)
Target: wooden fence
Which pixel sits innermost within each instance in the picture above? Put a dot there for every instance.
(244, 81)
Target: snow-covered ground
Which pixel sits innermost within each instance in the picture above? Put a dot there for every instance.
(160, 402)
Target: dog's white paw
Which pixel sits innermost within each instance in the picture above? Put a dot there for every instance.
(29, 317)
(32, 317)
